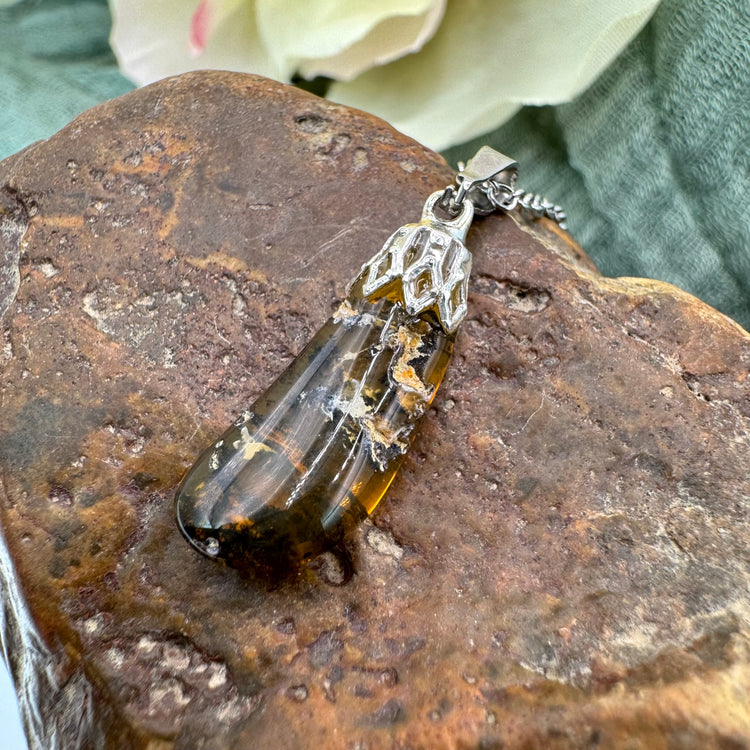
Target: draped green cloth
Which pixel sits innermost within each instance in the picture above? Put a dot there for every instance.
(55, 62)
(652, 163)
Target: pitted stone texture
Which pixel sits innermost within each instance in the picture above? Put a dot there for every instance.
(561, 563)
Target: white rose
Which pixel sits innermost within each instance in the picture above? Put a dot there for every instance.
(440, 71)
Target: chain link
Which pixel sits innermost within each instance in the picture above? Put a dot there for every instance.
(533, 205)
(498, 191)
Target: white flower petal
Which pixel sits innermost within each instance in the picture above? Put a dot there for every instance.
(151, 39)
(297, 32)
(489, 57)
(389, 40)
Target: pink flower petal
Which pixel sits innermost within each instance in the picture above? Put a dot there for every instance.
(200, 28)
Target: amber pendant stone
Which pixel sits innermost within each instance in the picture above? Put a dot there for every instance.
(313, 456)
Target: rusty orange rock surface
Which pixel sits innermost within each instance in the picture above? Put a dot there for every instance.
(562, 561)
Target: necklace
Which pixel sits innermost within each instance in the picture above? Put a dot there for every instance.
(316, 452)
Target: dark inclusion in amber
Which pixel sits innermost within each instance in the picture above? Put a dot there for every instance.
(314, 455)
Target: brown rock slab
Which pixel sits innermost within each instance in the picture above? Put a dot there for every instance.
(561, 563)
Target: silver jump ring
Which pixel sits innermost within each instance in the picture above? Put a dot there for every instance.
(503, 196)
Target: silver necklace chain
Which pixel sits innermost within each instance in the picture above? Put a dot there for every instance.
(489, 182)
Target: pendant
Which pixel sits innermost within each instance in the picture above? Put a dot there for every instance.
(313, 456)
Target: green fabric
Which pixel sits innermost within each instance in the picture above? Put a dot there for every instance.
(652, 163)
(55, 62)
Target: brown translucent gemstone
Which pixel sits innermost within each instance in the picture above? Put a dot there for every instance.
(315, 453)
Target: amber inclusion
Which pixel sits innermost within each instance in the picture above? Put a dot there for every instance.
(316, 452)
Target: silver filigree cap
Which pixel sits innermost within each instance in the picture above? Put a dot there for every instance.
(425, 266)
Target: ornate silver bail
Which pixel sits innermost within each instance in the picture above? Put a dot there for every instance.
(425, 266)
